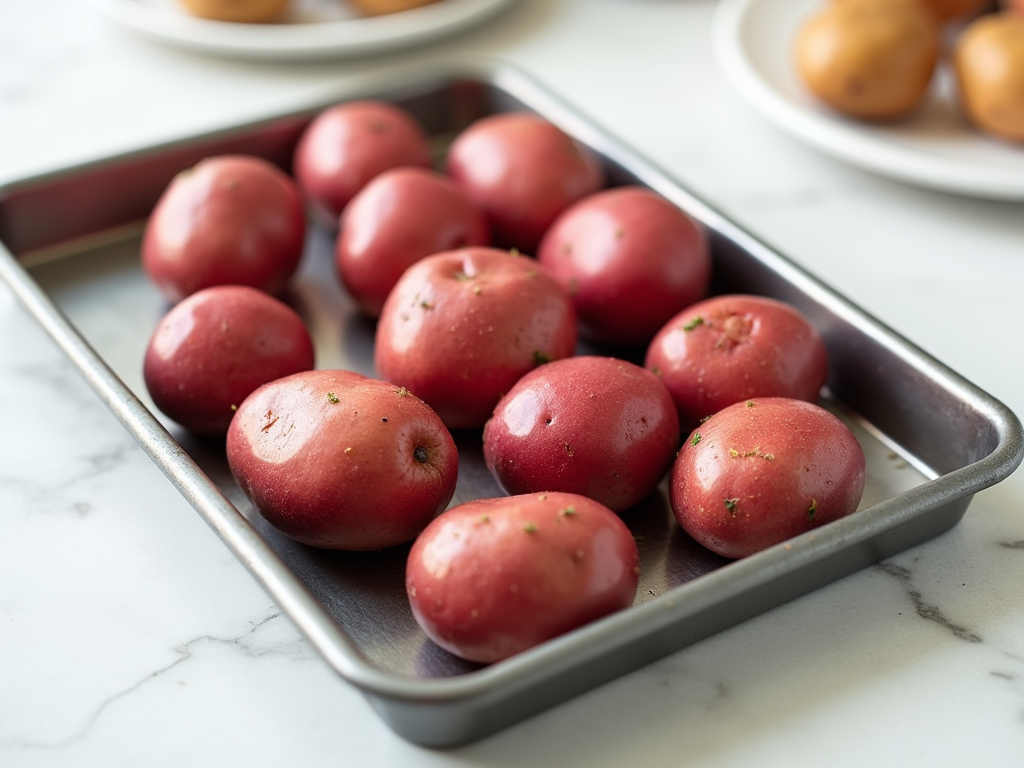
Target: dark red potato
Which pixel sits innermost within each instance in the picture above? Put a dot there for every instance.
(522, 171)
(400, 217)
(217, 346)
(630, 260)
(346, 146)
(491, 578)
(763, 471)
(731, 348)
(460, 328)
(230, 220)
(336, 460)
(596, 426)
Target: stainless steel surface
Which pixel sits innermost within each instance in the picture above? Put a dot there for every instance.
(931, 438)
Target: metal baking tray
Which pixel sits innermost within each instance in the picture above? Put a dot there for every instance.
(931, 438)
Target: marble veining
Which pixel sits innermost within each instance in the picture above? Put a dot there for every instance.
(243, 643)
(926, 610)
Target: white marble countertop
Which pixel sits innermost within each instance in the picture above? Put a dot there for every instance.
(129, 635)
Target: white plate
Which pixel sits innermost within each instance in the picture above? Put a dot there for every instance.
(934, 148)
(312, 29)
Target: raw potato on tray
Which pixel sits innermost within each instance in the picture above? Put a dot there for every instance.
(495, 577)
(471, 336)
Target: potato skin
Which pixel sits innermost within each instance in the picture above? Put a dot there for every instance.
(215, 347)
(989, 62)
(397, 219)
(230, 220)
(869, 59)
(491, 578)
(630, 260)
(337, 460)
(522, 171)
(346, 146)
(461, 327)
(763, 471)
(596, 426)
(731, 348)
(242, 11)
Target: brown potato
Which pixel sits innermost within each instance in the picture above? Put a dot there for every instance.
(949, 10)
(381, 7)
(869, 59)
(248, 11)
(989, 60)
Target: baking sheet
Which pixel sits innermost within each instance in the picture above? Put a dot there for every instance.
(931, 438)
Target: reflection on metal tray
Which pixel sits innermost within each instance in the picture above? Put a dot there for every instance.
(931, 439)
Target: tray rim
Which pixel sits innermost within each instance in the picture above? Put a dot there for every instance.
(576, 648)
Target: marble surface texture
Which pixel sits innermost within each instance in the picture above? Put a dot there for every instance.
(130, 636)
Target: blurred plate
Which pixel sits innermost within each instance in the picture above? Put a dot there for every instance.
(312, 29)
(934, 148)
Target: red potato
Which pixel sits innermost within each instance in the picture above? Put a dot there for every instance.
(731, 348)
(763, 471)
(461, 327)
(596, 426)
(522, 171)
(400, 217)
(230, 220)
(348, 145)
(215, 347)
(492, 578)
(630, 260)
(336, 460)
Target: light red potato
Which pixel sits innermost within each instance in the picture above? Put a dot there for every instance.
(731, 348)
(630, 260)
(597, 426)
(492, 578)
(461, 328)
(337, 460)
(230, 220)
(522, 171)
(215, 347)
(346, 146)
(397, 219)
(762, 471)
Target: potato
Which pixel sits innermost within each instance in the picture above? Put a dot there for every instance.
(522, 171)
(461, 327)
(230, 220)
(731, 348)
(336, 460)
(381, 7)
(345, 147)
(214, 348)
(763, 471)
(247, 11)
(989, 61)
(596, 426)
(952, 10)
(397, 219)
(492, 578)
(869, 59)
(630, 260)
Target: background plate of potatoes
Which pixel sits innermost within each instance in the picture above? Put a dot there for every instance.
(298, 29)
(933, 98)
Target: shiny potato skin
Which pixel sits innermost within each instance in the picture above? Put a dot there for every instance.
(492, 578)
(763, 471)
